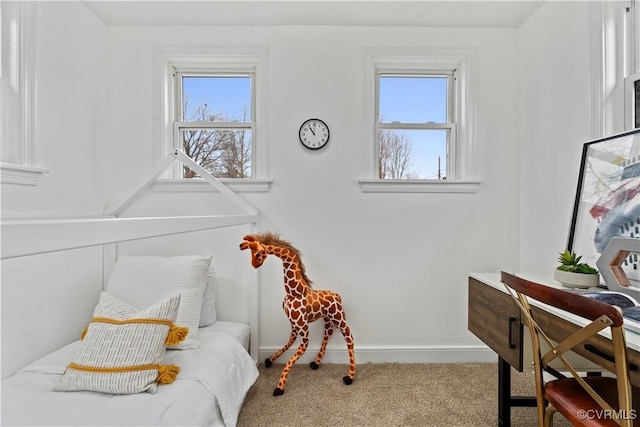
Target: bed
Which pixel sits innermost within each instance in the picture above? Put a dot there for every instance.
(206, 371)
(209, 390)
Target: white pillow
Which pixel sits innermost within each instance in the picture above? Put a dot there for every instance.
(122, 349)
(208, 313)
(144, 280)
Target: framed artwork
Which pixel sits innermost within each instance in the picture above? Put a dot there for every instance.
(607, 202)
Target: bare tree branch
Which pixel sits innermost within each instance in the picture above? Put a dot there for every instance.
(394, 154)
(225, 153)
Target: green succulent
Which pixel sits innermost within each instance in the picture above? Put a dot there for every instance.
(569, 261)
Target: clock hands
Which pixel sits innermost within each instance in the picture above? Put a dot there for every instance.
(313, 134)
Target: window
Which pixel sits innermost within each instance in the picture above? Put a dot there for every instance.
(211, 109)
(17, 94)
(415, 125)
(422, 121)
(615, 66)
(215, 122)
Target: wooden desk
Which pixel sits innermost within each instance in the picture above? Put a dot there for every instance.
(495, 319)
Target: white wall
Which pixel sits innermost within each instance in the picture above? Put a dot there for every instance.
(400, 261)
(50, 296)
(555, 101)
(46, 302)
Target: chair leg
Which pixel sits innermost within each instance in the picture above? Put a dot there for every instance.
(548, 416)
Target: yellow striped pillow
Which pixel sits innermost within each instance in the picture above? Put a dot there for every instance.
(123, 348)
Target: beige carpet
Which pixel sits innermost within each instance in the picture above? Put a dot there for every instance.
(385, 395)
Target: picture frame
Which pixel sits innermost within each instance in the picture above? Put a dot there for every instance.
(607, 201)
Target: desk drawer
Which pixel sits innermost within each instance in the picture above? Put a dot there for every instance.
(495, 319)
(596, 349)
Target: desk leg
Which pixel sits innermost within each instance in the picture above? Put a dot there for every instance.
(505, 400)
(504, 393)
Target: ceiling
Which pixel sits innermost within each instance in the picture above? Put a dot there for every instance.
(451, 13)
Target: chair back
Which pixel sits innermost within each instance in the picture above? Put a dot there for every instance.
(600, 314)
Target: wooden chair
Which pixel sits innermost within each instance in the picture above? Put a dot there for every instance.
(584, 401)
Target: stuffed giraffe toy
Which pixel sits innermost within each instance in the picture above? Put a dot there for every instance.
(302, 305)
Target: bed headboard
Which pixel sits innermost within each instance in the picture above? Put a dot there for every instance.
(54, 269)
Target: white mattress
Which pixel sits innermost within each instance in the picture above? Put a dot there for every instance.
(209, 390)
(239, 331)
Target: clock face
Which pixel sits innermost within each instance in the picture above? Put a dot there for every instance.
(314, 134)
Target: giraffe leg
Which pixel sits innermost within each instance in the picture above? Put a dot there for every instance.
(292, 338)
(346, 332)
(328, 331)
(285, 372)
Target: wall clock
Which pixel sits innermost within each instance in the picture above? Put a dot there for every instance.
(314, 134)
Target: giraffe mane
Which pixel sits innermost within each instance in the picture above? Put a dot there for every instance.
(274, 239)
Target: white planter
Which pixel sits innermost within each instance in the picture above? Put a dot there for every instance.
(576, 280)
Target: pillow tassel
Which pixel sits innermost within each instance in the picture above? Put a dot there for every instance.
(176, 335)
(167, 374)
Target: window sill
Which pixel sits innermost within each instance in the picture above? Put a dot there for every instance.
(12, 173)
(417, 186)
(197, 185)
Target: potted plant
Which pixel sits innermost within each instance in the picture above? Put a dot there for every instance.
(574, 274)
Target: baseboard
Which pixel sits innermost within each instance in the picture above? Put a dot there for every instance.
(426, 354)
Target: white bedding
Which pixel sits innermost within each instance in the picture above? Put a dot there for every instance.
(209, 390)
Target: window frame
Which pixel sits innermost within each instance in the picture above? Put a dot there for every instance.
(462, 158)
(450, 125)
(218, 61)
(18, 29)
(615, 62)
(180, 125)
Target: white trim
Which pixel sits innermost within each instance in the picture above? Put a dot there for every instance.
(254, 303)
(389, 354)
(109, 258)
(215, 182)
(178, 155)
(196, 185)
(598, 91)
(22, 175)
(418, 186)
(114, 208)
(23, 238)
(20, 130)
(632, 39)
(28, 84)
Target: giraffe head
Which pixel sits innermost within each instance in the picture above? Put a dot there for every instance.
(264, 244)
(258, 252)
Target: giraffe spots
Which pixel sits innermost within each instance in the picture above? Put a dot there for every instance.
(300, 288)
